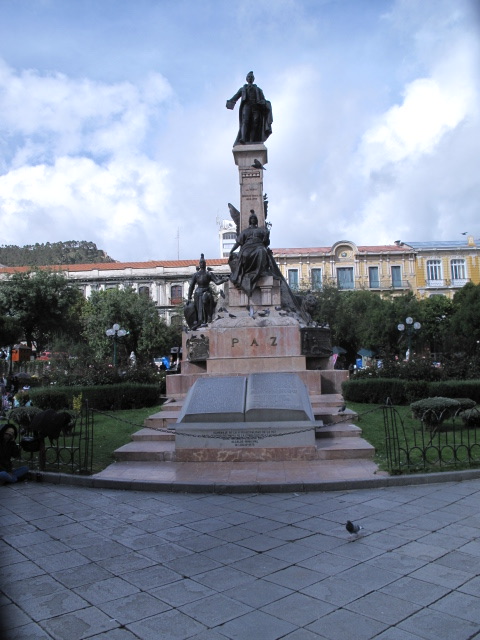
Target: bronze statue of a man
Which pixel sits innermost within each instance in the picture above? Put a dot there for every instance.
(201, 310)
(255, 113)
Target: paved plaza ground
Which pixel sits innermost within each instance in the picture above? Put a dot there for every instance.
(97, 563)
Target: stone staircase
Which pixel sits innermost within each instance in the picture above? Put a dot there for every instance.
(337, 438)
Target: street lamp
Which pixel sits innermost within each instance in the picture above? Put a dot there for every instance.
(409, 330)
(115, 332)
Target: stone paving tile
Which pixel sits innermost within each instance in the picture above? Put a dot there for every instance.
(433, 625)
(258, 593)
(342, 624)
(32, 587)
(61, 561)
(472, 587)
(223, 578)
(52, 605)
(12, 616)
(192, 565)
(214, 610)
(80, 624)
(85, 574)
(256, 624)
(396, 562)
(129, 561)
(416, 591)
(369, 575)
(298, 609)
(383, 607)
(441, 575)
(303, 634)
(133, 607)
(336, 591)
(463, 605)
(174, 625)
(291, 552)
(20, 571)
(327, 564)
(165, 552)
(294, 577)
(151, 577)
(182, 592)
(228, 553)
(105, 590)
(260, 565)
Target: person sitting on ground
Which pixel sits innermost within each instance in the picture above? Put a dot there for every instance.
(8, 450)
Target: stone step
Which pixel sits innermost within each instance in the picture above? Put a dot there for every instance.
(148, 434)
(344, 448)
(340, 447)
(338, 430)
(327, 399)
(146, 451)
(332, 415)
(161, 420)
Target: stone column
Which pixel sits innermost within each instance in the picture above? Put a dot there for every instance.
(251, 181)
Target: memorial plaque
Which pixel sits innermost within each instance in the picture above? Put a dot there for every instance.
(277, 397)
(219, 399)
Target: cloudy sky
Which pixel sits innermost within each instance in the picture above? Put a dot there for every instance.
(113, 126)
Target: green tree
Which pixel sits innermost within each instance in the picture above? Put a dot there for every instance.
(41, 304)
(465, 321)
(147, 336)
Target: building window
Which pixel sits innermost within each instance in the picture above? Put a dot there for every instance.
(345, 277)
(458, 271)
(293, 278)
(176, 321)
(316, 278)
(396, 277)
(373, 280)
(176, 294)
(144, 291)
(111, 286)
(434, 272)
(229, 236)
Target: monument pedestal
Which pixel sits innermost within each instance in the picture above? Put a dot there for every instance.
(251, 180)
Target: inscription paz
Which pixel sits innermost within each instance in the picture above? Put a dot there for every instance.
(272, 342)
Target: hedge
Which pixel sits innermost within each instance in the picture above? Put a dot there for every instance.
(104, 398)
(377, 390)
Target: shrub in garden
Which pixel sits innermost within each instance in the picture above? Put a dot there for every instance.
(433, 411)
(470, 417)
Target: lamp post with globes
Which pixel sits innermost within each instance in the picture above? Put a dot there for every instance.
(115, 332)
(409, 329)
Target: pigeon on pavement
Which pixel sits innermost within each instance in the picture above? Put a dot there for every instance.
(352, 528)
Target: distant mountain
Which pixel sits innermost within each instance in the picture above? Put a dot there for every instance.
(39, 255)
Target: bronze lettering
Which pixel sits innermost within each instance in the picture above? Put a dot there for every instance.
(254, 343)
(234, 341)
(273, 341)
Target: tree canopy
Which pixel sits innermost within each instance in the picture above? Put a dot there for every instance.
(40, 304)
(147, 335)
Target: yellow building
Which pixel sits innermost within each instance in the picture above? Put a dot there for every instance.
(425, 268)
(348, 266)
(442, 268)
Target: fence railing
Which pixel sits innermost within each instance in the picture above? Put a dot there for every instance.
(68, 449)
(449, 444)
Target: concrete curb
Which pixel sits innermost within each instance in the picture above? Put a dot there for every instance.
(254, 487)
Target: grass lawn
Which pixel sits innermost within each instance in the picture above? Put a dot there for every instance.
(113, 429)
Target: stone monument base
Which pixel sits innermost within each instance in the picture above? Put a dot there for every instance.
(243, 442)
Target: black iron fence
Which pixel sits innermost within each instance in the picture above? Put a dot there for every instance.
(450, 442)
(62, 442)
